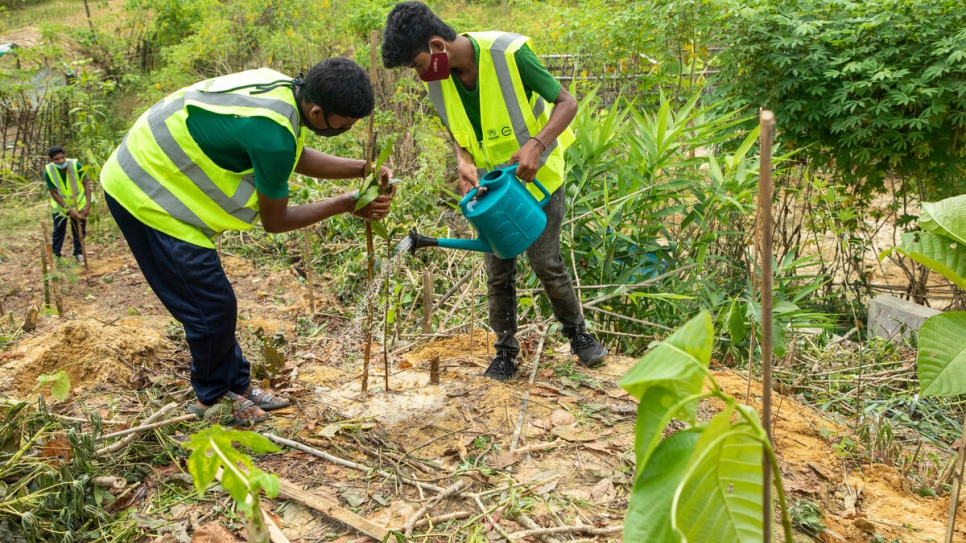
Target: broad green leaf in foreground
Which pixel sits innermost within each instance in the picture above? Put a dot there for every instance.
(941, 360)
(679, 363)
(938, 253)
(212, 449)
(653, 414)
(720, 499)
(649, 512)
(945, 217)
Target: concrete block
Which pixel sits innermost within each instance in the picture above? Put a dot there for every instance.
(892, 318)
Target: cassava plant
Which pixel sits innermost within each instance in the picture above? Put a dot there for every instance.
(703, 483)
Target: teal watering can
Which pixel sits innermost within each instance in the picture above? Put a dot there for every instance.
(507, 217)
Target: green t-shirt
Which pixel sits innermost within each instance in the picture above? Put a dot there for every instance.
(239, 143)
(533, 74)
(63, 176)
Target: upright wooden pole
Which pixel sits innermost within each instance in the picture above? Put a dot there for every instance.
(767, 122)
(957, 485)
(44, 274)
(427, 302)
(309, 275)
(370, 256)
(52, 270)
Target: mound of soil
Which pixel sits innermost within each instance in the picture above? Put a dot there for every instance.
(88, 350)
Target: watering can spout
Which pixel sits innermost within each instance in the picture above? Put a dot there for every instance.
(418, 241)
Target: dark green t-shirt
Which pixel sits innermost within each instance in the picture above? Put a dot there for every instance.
(63, 176)
(239, 143)
(533, 74)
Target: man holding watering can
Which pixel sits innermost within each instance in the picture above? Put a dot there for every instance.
(494, 95)
(217, 156)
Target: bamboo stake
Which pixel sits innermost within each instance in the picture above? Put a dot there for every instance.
(427, 302)
(52, 267)
(79, 232)
(385, 315)
(370, 257)
(767, 120)
(43, 270)
(957, 485)
(309, 276)
(472, 310)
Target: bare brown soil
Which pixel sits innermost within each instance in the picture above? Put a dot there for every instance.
(112, 342)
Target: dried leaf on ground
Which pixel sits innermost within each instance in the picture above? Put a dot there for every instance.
(562, 418)
(58, 448)
(503, 460)
(212, 533)
(603, 492)
(573, 434)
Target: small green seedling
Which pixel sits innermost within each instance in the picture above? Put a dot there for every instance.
(212, 450)
(60, 384)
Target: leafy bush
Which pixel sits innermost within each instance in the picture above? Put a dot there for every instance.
(867, 88)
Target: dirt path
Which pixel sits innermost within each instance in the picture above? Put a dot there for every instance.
(115, 339)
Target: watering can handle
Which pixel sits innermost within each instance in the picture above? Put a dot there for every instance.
(546, 195)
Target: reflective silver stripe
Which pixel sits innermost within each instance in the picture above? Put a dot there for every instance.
(232, 99)
(498, 55)
(436, 95)
(72, 176)
(157, 192)
(233, 205)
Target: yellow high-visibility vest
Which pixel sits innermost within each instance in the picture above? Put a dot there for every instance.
(161, 176)
(507, 118)
(71, 189)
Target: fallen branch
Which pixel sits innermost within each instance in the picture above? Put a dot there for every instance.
(579, 529)
(442, 518)
(626, 318)
(114, 447)
(347, 463)
(532, 526)
(109, 482)
(526, 396)
(146, 427)
(411, 523)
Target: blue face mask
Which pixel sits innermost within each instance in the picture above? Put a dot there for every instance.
(61, 166)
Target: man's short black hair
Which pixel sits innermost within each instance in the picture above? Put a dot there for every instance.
(409, 26)
(55, 150)
(340, 87)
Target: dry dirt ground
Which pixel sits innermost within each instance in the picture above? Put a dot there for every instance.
(113, 339)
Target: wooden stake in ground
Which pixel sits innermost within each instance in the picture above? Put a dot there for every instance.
(385, 315)
(427, 302)
(51, 270)
(370, 257)
(43, 271)
(767, 121)
(309, 276)
(957, 485)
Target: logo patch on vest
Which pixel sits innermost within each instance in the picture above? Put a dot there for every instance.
(505, 130)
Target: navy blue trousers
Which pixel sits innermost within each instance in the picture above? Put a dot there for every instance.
(60, 233)
(192, 285)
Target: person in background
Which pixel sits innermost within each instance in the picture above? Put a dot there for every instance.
(70, 199)
(217, 156)
(501, 107)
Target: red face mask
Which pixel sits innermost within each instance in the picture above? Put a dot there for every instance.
(438, 67)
